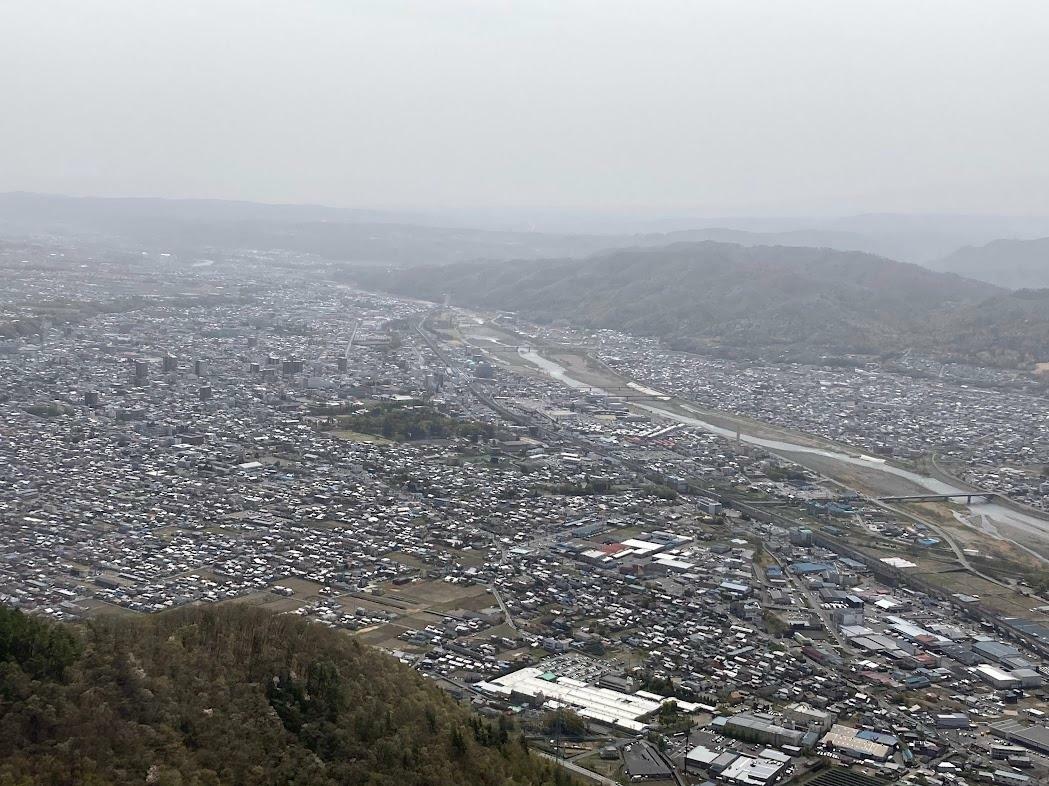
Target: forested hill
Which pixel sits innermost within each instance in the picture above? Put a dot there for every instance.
(208, 696)
(1008, 263)
(711, 295)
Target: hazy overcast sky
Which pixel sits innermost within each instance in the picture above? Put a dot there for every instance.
(785, 105)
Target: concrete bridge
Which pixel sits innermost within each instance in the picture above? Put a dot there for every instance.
(968, 496)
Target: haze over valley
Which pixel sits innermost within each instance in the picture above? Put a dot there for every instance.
(524, 393)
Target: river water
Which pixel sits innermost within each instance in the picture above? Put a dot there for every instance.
(986, 516)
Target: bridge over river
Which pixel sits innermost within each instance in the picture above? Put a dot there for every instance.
(985, 496)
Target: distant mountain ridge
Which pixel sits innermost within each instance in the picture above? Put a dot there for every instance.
(775, 301)
(197, 226)
(1014, 264)
(366, 236)
(440, 236)
(40, 208)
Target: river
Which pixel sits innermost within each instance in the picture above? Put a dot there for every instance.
(985, 516)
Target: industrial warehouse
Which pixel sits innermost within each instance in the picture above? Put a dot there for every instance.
(604, 705)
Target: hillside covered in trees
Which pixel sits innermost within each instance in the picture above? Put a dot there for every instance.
(233, 696)
(722, 298)
(403, 421)
(1007, 263)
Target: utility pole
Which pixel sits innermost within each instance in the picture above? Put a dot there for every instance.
(560, 718)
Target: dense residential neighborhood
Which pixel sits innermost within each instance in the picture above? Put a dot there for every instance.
(648, 599)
